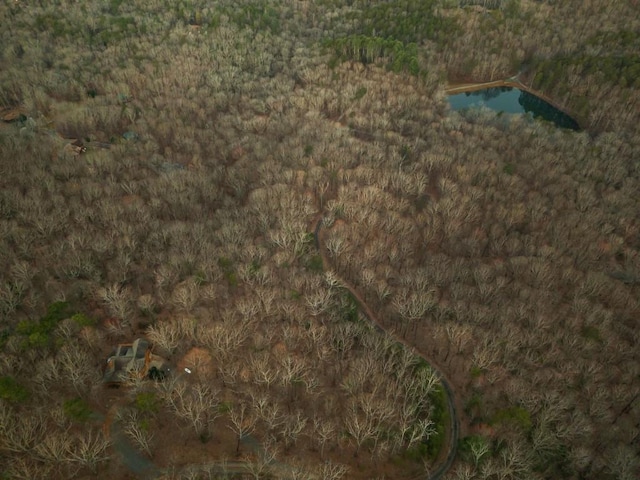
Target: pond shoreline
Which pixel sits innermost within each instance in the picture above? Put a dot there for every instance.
(513, 82)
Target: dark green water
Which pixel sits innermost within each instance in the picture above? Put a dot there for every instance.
(512, 100)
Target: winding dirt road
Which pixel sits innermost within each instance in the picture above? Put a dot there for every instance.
(143, 467)
(447, 455)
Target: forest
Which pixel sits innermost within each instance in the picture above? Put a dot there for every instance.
(349, 279)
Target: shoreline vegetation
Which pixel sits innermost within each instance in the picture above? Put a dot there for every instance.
(161, 163)
(513, 82)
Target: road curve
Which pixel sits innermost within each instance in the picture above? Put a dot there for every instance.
(453, 428)
(141, 466)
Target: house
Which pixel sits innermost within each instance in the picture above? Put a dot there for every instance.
(134, 359)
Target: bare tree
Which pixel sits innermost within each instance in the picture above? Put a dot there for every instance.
(230, 372)
(624, 464)
(458, 335)
(24, 468)
(333, 471)
(318, 301)
(199, 406)
(293, 426)
(335, 245)
(261, 464)
(479, 448)
(185, 296)
(267, 411)
(224, 338)
(242, 423)
(166, 335)
(146, 304)
(54, 448)
(324, 431)
(117, 300)
(138, 432)
(263, 374)
(413, 307)
(464, 472)
(360, 427)
(10, 298)
(76, 366)
(89, 450)
(20, 433)
(292, 372)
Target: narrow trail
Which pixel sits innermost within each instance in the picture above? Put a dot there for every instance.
(472, 87)
(444, 462)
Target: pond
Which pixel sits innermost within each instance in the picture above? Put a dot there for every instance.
(512, 100)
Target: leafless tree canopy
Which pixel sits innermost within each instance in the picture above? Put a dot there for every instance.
(163, 166)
